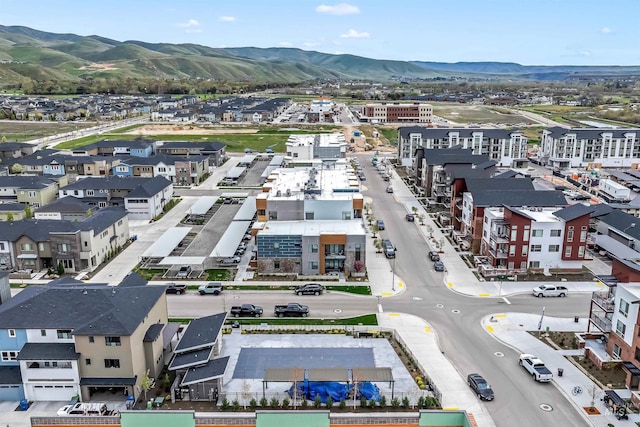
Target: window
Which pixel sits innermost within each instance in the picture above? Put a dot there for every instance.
(621, 328)
(358, 251)
(67, 264)
(536, 233)
(554, 248)
(567, 251)
(346, 215)
(309, 215)
(64, 334)
(41, 246)
(512, 250)
(583, 236)
(9, 356)
(276, 265)
(32, 194)
(581, 252)
(525, 250)
(273, 215)
(556, 233)
(536, 248)
(525, 233)
(624, 308)
(313, 265)
(26, 247)
(64, 247)
(12, 333)
(90, 193)
(514, 233)
(43, 332)
(91, 339)
(534, 264)
(87, 362)
(616, 351)
(111, 363)
(112, 341)
(570, 234)
(313, 248)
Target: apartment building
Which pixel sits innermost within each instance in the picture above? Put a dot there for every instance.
(536, 239)
(302, 148)
(506, 147)
(97, 338)
(310, 222)
(598, 148)
(397, 113)
(215, 151)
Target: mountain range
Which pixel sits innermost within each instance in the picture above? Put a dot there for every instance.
(40, 55)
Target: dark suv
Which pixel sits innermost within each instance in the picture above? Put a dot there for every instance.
(175, 288)
(480, 386)
(310, 289)
(434, 256)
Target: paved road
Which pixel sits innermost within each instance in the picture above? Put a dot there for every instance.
(460, 334)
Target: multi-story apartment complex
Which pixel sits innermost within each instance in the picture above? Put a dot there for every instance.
(534, 239)
(599, 148)
(301, 148)
(505, 147)
(397, 113)
(68, 339)
(311, 222)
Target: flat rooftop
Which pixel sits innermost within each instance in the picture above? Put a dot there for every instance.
(337, 183)
(321, 140)
(313, 228)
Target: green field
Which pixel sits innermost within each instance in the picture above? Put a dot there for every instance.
(476, 114)
(18, 130)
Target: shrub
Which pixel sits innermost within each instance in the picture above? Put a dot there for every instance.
(383, 401)
(225, 404)
(285, 403)
(421, 403)
(253, 404)
(275, 403)
(329, 402)
(264, 402)
(235, 405)
(395, 403)
(317, 402)
(342, 404)
(405, 402)
(372, 403)
(363, 402)
(431, 402)
(305, 403)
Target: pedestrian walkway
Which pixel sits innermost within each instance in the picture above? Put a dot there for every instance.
(512, 329)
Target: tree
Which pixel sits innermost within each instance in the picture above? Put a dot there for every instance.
(16, 168)
(60, 268)
(414, 209)
(146, 383)
(376, 229)
(372, 218)
(358, 266)
(421, 218)
(4, 139)
(10, 217)
(27, 212)
(378, 245)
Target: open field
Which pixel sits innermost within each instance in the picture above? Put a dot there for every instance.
(18, 130)
(465, 114)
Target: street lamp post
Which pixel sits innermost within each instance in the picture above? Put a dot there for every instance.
(393, 270)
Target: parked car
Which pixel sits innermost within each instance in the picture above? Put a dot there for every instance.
(175, 288)
(535, 367)
(410, 217)
(380, 224)
(388, 248)
(240, 251)
(362, 177)
(246, 310)
(480, 386)
(389, 189)
(82, 408)
(214, 288)
(438, 266)
(230, 260)
(291, 309)
(385, 177)
(434, 256)
(310, 289)
(550, 291)
(184, 271)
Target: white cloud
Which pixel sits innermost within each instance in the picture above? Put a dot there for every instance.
(606, 30)
(190, 23)
(227, 18)
(285, 44)
(338, 9)
(353, 34)
(584, 53)
(310, 44)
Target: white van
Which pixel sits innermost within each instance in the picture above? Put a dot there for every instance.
(83, 409)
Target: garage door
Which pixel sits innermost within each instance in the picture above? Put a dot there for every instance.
(11, 392)
(50, 393)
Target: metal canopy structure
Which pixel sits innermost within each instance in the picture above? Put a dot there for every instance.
(615, 248)
(372, 374)
(234, 195)
(182, 260)
(283, 375)
(247, 211)
(235, 172)
(328, 374)
(230, 240)
(247, 160)
(203, 205)
(166, 243)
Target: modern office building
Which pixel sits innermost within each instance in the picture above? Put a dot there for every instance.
(397, 113)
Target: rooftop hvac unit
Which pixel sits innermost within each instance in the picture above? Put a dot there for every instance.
(288, 193)
(278, 193)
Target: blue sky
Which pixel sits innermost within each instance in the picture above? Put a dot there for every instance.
(530, 32)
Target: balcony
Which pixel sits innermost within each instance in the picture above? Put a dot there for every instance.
(498, 253)
(601, 321)
(604, 300)
(499, 237)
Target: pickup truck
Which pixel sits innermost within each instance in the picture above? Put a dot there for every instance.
(536, 368)
(246, 310)
(291, 309)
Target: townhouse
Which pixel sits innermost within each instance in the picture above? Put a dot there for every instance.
(505, 147)
(51, 163)
(534, 239)
(180, 170)
(215, 151)
(34, 191)
(34, 244)
(67, 340)
(10, 150)
(310, 222)
(67, 208)
(595, 148)
(144, 198)
(134, 148)
(397, 113)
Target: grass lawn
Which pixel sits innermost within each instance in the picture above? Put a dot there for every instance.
(390, 133)
(367, 319)
(476, 114)
(17, 130)
(220, 275)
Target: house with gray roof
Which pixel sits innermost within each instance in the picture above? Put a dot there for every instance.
(505, 147)
(143, 198)
(181, 170)
(63, 340)
(30, 190)
(216, 151)
(600, 148)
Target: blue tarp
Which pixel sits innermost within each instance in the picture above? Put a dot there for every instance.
(369, 391)
(309, 390)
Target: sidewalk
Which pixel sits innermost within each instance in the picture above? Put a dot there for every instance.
(511, 329)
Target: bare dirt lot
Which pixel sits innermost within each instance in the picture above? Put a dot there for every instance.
(187, 130)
